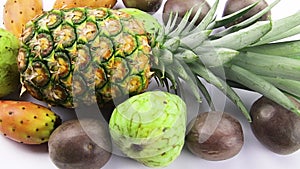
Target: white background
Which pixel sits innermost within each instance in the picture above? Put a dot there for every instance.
(252, 156)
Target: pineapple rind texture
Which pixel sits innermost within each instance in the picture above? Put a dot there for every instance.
(81, 55)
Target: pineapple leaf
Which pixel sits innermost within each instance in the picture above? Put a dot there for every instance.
(205, 73)
(186, 55)
(160, 67)
(287, 85)
(215, 57)
(289, 49)
(269, 65)
(242, 38)
(182, 24)
(232, 17)
(287, 34)
(181, 70)
(165, 55)
(170, 75)
(209, 17)
(248, 21)
(205, 93)
(192, 22)
(279, 28)
(194, 40)
(260, 85)
(171, 23)
(172, 44)
(179, 88)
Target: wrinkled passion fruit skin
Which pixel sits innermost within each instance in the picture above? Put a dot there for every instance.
(183, 6)
(232, 6)
(275, 127)
(151, 6)
(215, 138)
(80, 144)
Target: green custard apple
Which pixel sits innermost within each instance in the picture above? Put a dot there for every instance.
(150, 127)
(9, 74)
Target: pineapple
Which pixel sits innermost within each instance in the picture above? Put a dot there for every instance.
(84, 55)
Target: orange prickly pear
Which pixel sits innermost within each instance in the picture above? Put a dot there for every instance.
(17, 13)
(80, 3)
(27, 122)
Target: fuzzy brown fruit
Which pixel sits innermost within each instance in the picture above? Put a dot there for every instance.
(275, 127)
(80, 144)
(215, 136)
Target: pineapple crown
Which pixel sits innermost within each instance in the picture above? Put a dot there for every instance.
(183, 51)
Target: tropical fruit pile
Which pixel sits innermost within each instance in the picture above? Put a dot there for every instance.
(86, 55)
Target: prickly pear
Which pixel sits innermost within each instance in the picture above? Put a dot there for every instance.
(150, 127)
(80, 3)
(27, 122)
(9, 74)
(17, 13)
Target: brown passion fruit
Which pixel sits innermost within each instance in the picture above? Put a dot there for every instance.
(150, 6)
(182, 7)
(215, 136)
(275, 127)
(80, 144)
(232, 6)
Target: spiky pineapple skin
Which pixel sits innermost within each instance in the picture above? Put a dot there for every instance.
(150, 127)
(82, 55)
(27, 122)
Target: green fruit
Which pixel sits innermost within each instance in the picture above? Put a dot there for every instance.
(9, 75)
(150, 127)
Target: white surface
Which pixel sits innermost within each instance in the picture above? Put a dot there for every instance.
(253, 155)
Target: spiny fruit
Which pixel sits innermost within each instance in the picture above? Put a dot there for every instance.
(17, 13)
(150, 127)
(27, 122)
(9, 74)
(80, 55)
(99, 50)
(59, 4)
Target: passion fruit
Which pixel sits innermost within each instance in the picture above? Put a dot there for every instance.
(182, 7)
(80, 144)
(275, 127)
(215, 136)
(150, 6)
(232, 6)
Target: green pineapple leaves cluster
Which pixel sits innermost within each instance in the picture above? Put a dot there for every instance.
(244, 55)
